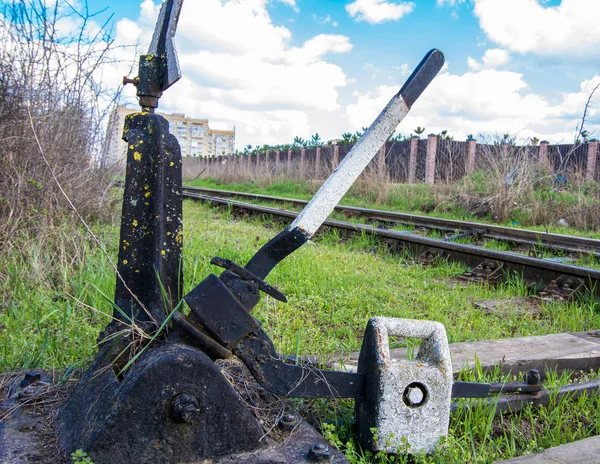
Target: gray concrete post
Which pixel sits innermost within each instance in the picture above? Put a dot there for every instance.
(277, 160)
(592, 160)
(302, 161)
(336, 156)
(430, 160)
(318, 163)
(381, 169)
(412, 161)
(289, 162)
(543, 153)
(472, 153)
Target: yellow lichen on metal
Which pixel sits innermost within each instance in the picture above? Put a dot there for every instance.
(137, 155)
(125, 261)
(163, 252)
(134, 223)
(147, 194)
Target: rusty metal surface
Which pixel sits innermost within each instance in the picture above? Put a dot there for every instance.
(514, 403)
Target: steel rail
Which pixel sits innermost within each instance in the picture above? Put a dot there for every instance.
(532, 238)
(535, 271)
(543, 398)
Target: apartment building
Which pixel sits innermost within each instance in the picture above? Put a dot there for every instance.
(195, 136)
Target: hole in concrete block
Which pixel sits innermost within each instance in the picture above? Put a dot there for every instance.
(407, 347)
(415, 395)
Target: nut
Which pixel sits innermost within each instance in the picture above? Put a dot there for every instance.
(185, 408)
(289, 420)
(319, 452)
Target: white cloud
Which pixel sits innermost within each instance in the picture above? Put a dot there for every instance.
(291, 3)
(569, 30)
(492, 58)
(450, 2)
(241, 69)
(377, 11)
(487, 101)
(322, 19)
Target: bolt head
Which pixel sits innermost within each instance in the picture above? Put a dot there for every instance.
(319, 452)
(289, 420)
(533, 377)
(185, 409)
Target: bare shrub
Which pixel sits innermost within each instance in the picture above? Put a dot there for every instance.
(505, 180)
(48, 88)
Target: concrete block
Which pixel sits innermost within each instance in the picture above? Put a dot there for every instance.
(407, 402)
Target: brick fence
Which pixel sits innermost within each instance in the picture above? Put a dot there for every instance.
(431, 160)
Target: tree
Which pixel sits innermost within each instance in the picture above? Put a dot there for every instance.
(315, 141)
(299, 142)
(419, 130)
(347, 139)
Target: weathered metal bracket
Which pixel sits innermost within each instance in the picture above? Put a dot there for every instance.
(565, 287)
(431, 256)
(488, 271)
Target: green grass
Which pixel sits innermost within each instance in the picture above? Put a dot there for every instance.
(333, 286)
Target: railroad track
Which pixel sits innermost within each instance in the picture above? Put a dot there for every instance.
(549, 276)
(566, 243)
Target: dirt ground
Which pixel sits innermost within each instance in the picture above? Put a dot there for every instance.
(27, 412)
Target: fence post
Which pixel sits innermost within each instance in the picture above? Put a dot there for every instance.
(318, 163)
(302, 161)
(412, 161)
(258, 159)
(336, 156)
(248, 161)
(543, 153)
(592, 159)
(472, 153)
(289, 162)
(430, 160)
(266, 162)
(277, 160)
(381, 161)
(504, 146)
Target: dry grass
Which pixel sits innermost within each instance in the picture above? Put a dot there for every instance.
(48, 91)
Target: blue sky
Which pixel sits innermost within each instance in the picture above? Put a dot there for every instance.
(280, 68)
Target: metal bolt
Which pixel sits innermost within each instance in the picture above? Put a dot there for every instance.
(289, 420)
(319, 452)
(29, 378)
(415, 395)
(185, 408)
(128, 80)
(533, 377)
